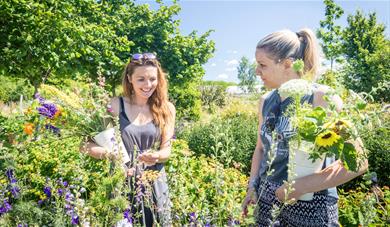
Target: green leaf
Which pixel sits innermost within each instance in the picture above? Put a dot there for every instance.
(349, 157)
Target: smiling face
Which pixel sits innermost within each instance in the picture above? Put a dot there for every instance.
(144, 81)
(272, 73)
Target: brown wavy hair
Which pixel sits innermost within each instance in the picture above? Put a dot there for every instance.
(158, 102)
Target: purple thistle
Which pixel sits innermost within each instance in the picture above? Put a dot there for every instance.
(75, 220)
(47, 110)
(47, 191)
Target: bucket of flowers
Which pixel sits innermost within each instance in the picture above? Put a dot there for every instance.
(91, 118)
(320, 132)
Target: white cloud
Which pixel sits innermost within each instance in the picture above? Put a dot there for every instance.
(222, 76)
(233, 62)
(213, 64)
(235, 52)
(231, 69)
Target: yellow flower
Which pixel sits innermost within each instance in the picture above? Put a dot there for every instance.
(327, 139)
(340, 127)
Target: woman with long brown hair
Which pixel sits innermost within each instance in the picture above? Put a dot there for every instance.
(146, 119)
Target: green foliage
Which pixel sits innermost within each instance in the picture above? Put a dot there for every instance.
(331, 33)
(368, 55)
(247, 75)
(230, 137)
(364, 208)
(222, 83)
(47, 39)
(376, 141)
(213, 96)
(201, 186)
(12, 88)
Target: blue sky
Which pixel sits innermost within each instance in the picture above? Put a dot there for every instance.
(239, 25)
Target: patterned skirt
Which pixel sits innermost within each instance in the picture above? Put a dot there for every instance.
(321, 211)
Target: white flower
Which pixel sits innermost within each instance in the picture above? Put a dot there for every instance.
(295, 88)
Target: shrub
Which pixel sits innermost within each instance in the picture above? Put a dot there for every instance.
(378, 144)
(363, 207)
(230, 138)
(213, 96)
(12, 88)
(202, 191)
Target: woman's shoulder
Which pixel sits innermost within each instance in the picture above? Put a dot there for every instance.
(171, 108)
(115, 105)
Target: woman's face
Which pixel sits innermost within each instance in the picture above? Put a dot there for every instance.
(144, 81)
(271, 73)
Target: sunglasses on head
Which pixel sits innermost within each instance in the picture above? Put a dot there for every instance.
(143, 56)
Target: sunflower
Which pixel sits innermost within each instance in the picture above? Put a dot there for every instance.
(326, 139)
(340, 127)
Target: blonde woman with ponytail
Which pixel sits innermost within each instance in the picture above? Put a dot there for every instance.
(275, 55)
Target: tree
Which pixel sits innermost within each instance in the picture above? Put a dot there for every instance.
(39, 39)
(247, 75)
(331, 33)
(91, 38)
(368, 55)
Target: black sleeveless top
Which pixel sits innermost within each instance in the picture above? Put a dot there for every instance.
(138, 139)
(275, 121)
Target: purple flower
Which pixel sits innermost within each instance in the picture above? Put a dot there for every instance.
(15, 191)
(5, 207)
(65, 183)
(192, 217)
(60, 191)
(127, 215)
(47, 191)
(47, 110)
(40, 202)
(10, 175)
(68, 196)
(52, 129)
(39, 97)
(75, 220)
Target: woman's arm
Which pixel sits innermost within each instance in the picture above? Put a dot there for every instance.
(92, 149)
(333, 175)
(163, 154)
(255, 165)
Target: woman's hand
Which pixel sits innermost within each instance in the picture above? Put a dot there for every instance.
(149, 158)
(130, 172)
(250, 198)
(293, 196)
